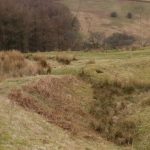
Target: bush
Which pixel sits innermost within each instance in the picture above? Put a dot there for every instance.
(95, 40)
(119, 40)
(129, 15)
(114, 14)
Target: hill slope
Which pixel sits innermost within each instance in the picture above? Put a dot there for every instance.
(94, 16)
(24, 129)
(61, 111)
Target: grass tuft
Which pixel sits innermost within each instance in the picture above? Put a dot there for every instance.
(65, 58)
(14, 64)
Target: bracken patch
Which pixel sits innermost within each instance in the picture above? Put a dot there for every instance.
(54, 99)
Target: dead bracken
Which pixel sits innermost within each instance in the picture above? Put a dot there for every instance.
(54, 99)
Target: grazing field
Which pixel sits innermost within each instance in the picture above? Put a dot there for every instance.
(77, 100)
(93, 96)
(94, 16)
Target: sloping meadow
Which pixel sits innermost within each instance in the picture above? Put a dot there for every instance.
(60, 100)
(122, 101)
(113, 101)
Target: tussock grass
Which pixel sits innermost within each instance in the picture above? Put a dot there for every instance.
(92, 61)
(11, 59)
(42, 61)
(39, 57)
(65, 58)
(14, 64)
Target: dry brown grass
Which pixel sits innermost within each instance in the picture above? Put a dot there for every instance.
(39, 57)
(65, 58)
(91, 61)
(11, 62)
(14, 64)
(42, 62)
(54, 99)
(100, 22)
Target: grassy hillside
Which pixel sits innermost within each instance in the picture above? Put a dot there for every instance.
(94, 16)
(107, 6)
(92, 100)
(24, 129)
(122, 79)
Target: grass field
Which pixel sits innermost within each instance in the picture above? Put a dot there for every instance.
(68, 109)
(94, 16)
(80, 100)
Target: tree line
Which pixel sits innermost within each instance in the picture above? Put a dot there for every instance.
(37, 25)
